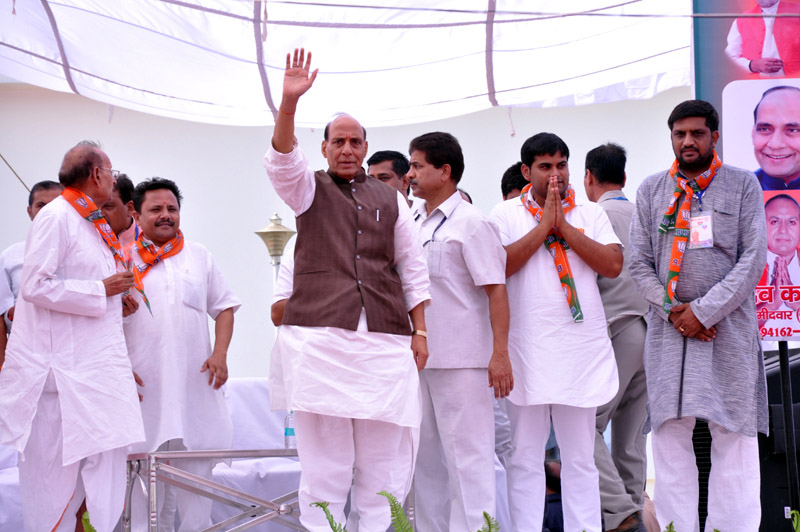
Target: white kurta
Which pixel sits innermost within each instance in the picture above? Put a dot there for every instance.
(337, 372)
(555, 360)
(168, 349)
(11, 260)
(6, 295)
(65, 323)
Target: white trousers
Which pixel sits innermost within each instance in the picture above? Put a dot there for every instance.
(193, 511)
(336, 452)
(734, 490)
(575, 432)
(51, 492)
(454, 481)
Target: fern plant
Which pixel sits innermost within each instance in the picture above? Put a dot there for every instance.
(336, 527)
(87, 526)
(399, 520)
(490, 525)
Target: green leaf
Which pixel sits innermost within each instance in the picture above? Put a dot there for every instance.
(87, 525)
(491, 525)
(336, 527)
(399, 519)
(670, 528)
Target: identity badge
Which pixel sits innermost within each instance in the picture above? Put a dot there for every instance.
(701, 234)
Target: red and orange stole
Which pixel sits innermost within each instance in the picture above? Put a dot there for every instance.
(679, 220)
(558, 247)
(88, 210)
(151, 255)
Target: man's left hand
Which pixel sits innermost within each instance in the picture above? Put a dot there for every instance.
(129, 305)
(500, 376)
(687, 324)
(419, 346)
(217, 368)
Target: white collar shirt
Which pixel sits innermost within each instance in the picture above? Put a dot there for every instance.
(464, 253)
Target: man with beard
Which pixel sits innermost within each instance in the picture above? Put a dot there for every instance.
(698, 248)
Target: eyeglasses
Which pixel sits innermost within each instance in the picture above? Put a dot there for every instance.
(114, 173)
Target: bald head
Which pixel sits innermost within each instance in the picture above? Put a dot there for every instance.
(87, 168)
(345, 146)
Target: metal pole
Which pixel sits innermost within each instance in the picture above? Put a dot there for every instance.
(788, 424)
(153, 501)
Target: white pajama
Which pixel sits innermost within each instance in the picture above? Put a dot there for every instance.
(99, 478)
(734, 493)
(575, 430)
(456, 451)
(335, 452)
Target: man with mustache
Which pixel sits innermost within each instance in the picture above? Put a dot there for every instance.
(698, 248)
(178, 372)
(350, 359)
(562, 357)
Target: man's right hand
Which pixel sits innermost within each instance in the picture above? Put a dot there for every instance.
(296, 80)
(118, 283)
(766, 64)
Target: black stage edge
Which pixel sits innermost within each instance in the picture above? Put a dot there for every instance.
(788, 423)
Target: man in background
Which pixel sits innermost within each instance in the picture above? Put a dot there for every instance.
(390, 167)
(776, 138)
(623, 469)
(118, 212)
(513, 181)
(40, 195)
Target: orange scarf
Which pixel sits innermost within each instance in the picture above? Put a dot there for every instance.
(151, 255)
(679, 221)
(88, 210)
(558, 247)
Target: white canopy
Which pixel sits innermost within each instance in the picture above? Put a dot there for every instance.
(222, 61)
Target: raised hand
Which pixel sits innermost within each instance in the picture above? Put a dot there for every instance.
(296, 78)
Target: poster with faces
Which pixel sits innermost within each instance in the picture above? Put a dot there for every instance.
(761, 125)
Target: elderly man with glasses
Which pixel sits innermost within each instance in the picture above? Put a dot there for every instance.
(68, 399)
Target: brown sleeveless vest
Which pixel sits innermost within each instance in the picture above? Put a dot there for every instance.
(344, 258)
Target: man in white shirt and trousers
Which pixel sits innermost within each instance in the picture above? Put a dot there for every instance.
(11, 258)
(68, 400)
(454, 483)
(179, 373)
(350, 359)
(562, 357)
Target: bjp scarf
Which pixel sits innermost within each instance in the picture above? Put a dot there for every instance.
(558, 247)
(678, 220)
(151, 256)
(88, 210)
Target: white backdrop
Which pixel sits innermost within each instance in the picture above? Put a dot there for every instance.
(227, 195)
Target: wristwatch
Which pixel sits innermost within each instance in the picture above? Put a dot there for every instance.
(424, 334)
